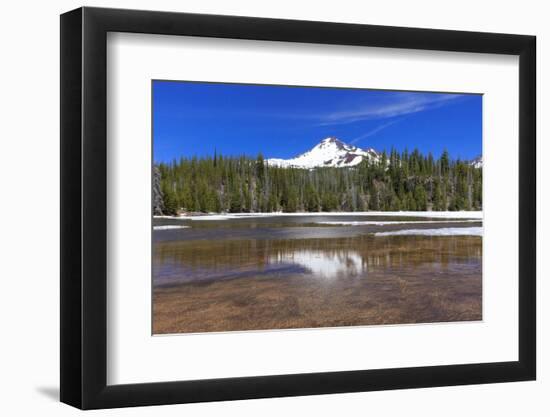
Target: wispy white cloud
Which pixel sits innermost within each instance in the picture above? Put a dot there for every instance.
(374, 131)
(399, 104)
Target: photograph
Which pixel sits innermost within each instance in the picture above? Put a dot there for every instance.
(292, 207)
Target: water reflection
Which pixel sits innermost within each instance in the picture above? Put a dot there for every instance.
(323, 264)
(292, 272)
(178, 262)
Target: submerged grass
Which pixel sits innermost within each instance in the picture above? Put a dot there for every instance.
(218, 285)
(297, 302)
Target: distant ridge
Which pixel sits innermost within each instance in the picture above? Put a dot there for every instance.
(477, 162)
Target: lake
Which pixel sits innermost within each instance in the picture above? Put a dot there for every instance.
(244, 272)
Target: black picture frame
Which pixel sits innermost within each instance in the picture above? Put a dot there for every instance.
(84, 207)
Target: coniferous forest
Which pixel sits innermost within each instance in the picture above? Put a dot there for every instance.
(398, 181)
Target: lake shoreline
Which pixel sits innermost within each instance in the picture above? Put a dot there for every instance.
(428, 214)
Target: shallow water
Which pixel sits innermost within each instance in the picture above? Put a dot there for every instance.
(241, 274)
(297, 227)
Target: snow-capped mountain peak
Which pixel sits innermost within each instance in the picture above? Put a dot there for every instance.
(477, 162)
(330, 152)
(331, 141)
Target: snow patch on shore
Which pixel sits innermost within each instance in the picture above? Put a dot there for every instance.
(390, 222)
(170, 227)
(433, 214)
(447, 231)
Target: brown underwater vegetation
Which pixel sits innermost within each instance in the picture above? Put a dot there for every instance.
(228, 285)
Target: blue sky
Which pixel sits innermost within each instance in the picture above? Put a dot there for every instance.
(191, 118)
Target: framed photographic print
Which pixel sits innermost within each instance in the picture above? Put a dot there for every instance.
(256, 208)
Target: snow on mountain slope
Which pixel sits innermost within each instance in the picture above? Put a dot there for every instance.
(330, 152)
(477, 163)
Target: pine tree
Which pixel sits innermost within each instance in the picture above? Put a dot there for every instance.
(420, 198)
(170, 201)
(238, 184)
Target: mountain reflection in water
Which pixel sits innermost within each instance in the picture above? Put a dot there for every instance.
(322, 264)
(187, 261)
(284, 272)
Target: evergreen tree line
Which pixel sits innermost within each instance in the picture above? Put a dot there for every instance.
(398, 181)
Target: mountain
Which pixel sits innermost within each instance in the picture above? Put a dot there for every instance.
(330, 152)
(477, 162)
